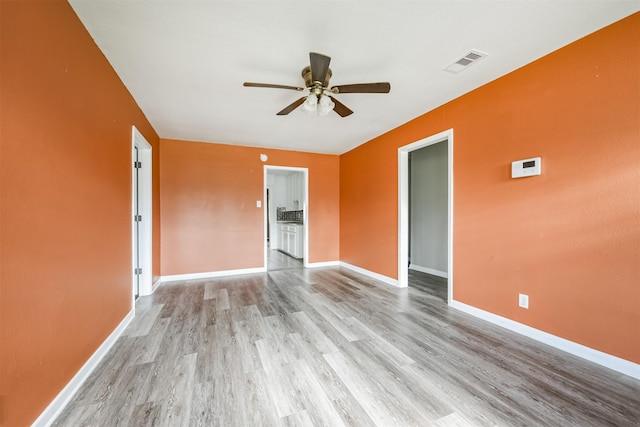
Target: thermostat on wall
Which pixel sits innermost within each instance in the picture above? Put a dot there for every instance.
(526, 167)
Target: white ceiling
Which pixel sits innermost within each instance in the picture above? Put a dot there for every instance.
(185, 61)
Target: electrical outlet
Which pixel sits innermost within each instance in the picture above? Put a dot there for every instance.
(523, 300)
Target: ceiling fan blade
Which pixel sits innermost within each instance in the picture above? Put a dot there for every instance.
(383, 87)
(289, 108)
(340, 108)
(319, 66)
(250, 84)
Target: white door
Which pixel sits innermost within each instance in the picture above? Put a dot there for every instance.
(137, 268)
(141, 215)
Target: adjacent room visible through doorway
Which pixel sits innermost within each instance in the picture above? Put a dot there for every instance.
(425, 207)
(286, 220)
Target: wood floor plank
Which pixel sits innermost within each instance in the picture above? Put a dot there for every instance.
(445, 392)
(330, 347)
(245, 339)
(145, 323)
(279, 383)
(227, 401)
(351, 412)
(202, 412)
(148, 346)
(147, 415)
(370, 393)
(127, 387)
(317, 404)
(223, 299)
(275, 357)
(177, 403)
(210, 290)
(408, 395)
(302, 350)
(223, 329)
(390, 352)
(347, 330)
(260, 410)
(453, 420)
(208, 316)
(313, 334)
(318, 299)
(79, 415)
(298, 419)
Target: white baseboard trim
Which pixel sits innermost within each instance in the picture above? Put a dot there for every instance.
(48, 416)
(608, 361)
(322, 264)
(374, 275)
(156, 284)
(428, 270)
(210, 274)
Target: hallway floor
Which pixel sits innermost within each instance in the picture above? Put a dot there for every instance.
(329, 347)
(277, 260)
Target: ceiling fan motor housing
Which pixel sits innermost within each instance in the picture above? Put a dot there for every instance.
(308, 80)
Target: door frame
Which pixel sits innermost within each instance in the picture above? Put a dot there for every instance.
(305, 209)
(145, 210)
(403, 207)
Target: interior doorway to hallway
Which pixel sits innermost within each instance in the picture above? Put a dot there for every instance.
(286, 221)
(142, 218)
(426, 236)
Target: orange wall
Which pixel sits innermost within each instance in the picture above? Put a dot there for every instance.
(210, 221)
(570, 238)
(65, 182)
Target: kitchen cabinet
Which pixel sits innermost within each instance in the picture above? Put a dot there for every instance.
(295, 191)
(291, 239)
(287, 191)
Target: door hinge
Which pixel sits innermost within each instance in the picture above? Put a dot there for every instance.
(137, 165)
(137, 271)
(137, 218)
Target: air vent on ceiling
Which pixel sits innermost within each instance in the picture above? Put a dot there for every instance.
(464, 62)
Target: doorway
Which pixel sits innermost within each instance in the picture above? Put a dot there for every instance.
(286, 221)
(137, 218)
(404, 205)
(142, 218)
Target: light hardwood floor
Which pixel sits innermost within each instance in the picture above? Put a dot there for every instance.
(328, 347)
(277, 260)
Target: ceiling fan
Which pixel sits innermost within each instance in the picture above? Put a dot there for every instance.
(320, 100)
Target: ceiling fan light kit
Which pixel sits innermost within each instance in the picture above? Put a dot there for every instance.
(318, 104)
(319, 101)
(325, 105)
(311, 104)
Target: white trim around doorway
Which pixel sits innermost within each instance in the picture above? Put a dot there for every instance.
(403, 207)
(305, 209)
(145, 209)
